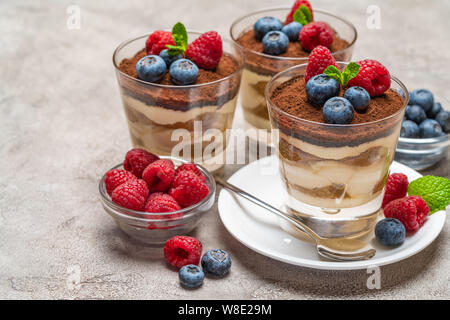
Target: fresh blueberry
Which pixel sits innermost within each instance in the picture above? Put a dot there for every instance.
(410, 129)
(338, 110)
(415, 113)
(275, 43)
(292, 30)
(422, 98)
(216, 262)
(430, 128)
(390, 232)
(151, 68)
(443, 118)
(320, 88)
(183, 72)
(168, 59)
(266, 24)
(191, 276)
(435, 109)
(358, 97)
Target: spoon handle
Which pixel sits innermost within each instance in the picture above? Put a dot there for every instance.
(268, 207)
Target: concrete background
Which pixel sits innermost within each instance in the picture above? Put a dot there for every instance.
(62, 126)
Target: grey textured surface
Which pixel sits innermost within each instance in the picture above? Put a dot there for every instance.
(62, 125)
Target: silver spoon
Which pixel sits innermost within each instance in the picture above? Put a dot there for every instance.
(339, 249)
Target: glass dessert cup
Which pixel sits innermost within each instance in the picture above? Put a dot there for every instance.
(334, 175)
(188, 121)
(259, 67)
(156, 228)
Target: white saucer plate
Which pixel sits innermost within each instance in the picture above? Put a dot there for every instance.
(261, 231)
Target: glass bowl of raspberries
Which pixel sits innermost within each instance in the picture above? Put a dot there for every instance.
(425, 133)
(154, 198)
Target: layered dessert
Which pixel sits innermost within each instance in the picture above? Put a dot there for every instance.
(299, 36)
(179, 96)
(336, 138)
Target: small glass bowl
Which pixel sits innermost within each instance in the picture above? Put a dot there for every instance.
(156, 228)
(419, 153)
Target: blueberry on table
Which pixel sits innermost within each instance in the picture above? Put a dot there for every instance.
(338, 110)
(183, 72)
(415, 113)
(423, 98)
(435, 109)
(275, 43)
(358, 97)
(168, 59)
(191, 276)
(151, 68)
(443, 118)
(320, 88)
(410, 129)
(292, 30)
(266, 24)
(430, 128)
(390, 232)
(216, 262)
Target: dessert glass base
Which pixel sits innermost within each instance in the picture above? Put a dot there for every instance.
(259, 67)
(188, 122)
(334, 175)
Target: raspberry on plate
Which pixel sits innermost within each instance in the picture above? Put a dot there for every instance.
(131, 194)
(206, 50)
(396, 187)
(298, 3)
(319, 59)
(315, 34)
(190, 167)
(180, 251)
(188, 189)
(159, 175)
(157, 41)
(411, 211)
(136, 160)
(372, 76)
(115, 178)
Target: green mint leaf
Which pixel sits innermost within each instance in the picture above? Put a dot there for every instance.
(174, 50)
(434, 190)
(334, 73)
(349, 73)
(180, 38)
(304, 9)
(299, 16)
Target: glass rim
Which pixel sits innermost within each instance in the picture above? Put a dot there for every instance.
(146, 216)
(351, 25)
(166, 86)
(329, 125)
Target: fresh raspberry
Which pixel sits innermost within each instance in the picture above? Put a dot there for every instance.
(157, 41)
(319, 59)
(159, 175)
(131, 194)
(372, 76)
(396, 187)
(182, 250)
(136, 160)
(298, 3)
(188, 189)
(206, 50)
(316, 33)
(411, 211)
(161, 202)
(190, 167)
(116, 177)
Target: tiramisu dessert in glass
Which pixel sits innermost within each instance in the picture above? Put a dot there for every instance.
(275, 39)
(337, 130)
(179, 92)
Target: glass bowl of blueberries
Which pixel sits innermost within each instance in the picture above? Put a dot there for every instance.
(425, 133)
